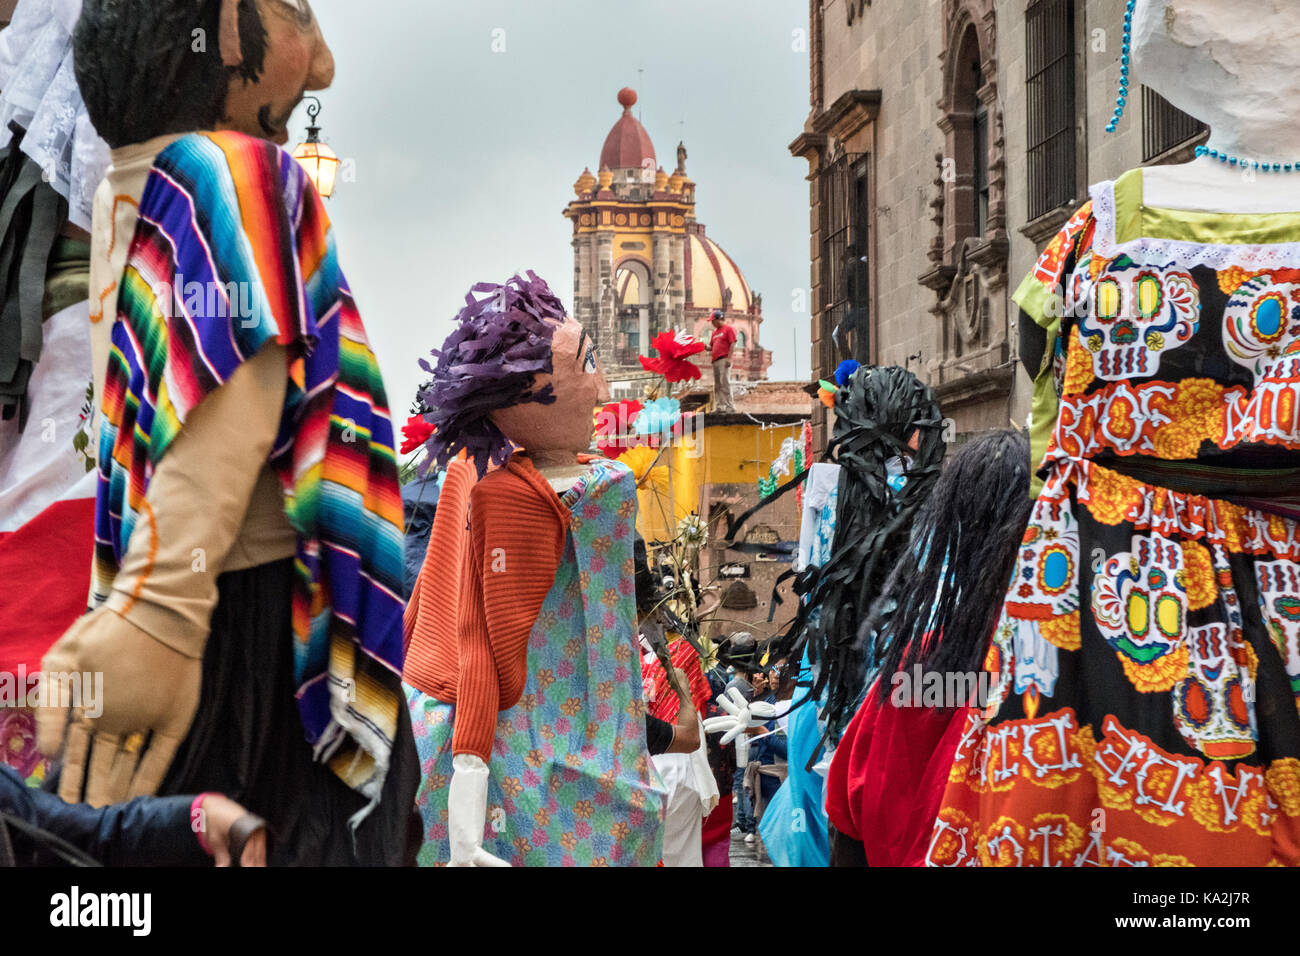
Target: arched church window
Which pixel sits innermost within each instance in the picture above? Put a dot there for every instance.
(632, 312)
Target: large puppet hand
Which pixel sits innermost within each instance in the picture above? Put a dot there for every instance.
(467, 812)
(133, 715)
(740, 715)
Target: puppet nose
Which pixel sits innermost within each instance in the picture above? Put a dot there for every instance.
(321, 72)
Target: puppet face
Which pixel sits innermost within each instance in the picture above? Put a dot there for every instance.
(296, 60)
(567, 424)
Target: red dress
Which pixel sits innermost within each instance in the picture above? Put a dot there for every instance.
(888, 775)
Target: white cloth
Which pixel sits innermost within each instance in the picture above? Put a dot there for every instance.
(823, 476)
(692, 796)
(467, 812)
(38, 90)
(39, 465)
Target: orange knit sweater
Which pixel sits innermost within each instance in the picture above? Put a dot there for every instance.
(495, 546)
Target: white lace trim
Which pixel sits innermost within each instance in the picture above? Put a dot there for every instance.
(1218, 256)
(40, 92)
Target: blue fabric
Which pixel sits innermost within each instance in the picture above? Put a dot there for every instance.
(146, 831)
(794, 828)
(794, 824)
(420, 504)
(769, 749)
(744, 811)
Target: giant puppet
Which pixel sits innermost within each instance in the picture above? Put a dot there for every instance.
(246, 615)
(1148, 651)
(888, 441)
(522, 651)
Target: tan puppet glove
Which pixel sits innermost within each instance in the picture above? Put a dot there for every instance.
(122, 738)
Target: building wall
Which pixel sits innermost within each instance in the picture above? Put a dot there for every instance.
(895, 46)
(717, 466)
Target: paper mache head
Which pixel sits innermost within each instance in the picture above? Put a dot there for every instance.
(516, 373)
(1232, 71)
(151, 67)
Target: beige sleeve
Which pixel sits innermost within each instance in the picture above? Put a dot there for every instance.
(195, 506)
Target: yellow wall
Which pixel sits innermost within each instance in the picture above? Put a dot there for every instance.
(723, 454)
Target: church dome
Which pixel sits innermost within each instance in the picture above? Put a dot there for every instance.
(711, 273)
(628, 145)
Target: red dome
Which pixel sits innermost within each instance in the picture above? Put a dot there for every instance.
(628, 144)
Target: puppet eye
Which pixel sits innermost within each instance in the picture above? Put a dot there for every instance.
(589, 362)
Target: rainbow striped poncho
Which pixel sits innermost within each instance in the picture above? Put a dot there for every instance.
(239, 216)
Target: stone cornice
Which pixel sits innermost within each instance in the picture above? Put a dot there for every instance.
(978, 386)
(848, 114)
(807, 144)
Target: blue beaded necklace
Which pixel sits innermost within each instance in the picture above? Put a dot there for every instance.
(1247, 163)
(1125, 63)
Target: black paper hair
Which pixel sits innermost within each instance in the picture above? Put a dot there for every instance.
(150, 67)
(876, 413)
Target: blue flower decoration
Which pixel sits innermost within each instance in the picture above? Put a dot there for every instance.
(658, 417)
(844, 370)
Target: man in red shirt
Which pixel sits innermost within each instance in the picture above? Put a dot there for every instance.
(720, 345)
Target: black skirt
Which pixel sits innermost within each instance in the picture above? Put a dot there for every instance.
(247, 740)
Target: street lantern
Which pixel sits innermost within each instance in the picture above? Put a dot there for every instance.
(321, 162)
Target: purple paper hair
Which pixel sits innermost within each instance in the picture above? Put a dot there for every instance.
(501, 343)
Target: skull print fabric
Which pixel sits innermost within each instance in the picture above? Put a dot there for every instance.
(1145, 709)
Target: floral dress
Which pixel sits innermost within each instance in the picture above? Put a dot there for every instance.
(1148, 653)
(570, 779)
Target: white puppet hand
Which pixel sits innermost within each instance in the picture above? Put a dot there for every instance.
(467, 812)
(740, 715)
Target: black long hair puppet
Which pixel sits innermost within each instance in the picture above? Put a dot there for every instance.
(944, 596)
(882, 414)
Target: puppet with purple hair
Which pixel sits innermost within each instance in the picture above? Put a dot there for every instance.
(521, 656)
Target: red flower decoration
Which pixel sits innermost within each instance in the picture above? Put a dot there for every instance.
(674, 348)
(415, 433)
(614, 433)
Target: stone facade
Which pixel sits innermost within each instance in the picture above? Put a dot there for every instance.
(906, 93)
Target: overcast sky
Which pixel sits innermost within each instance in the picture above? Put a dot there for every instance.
(464, 156)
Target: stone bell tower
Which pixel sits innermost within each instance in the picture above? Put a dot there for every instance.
(642, 263)
(629, 245)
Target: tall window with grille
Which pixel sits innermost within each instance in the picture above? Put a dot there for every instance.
(845, 266)
(1050, 67)
(980, 130)
(1165, 126)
